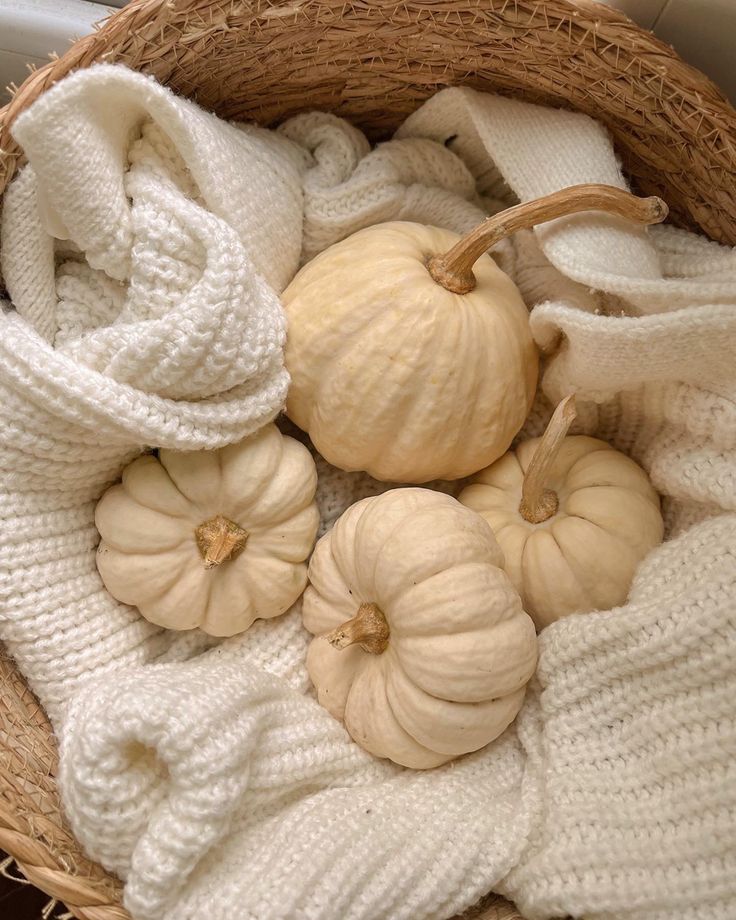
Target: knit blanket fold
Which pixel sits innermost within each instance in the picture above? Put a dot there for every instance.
(143, 249)
(139, 319)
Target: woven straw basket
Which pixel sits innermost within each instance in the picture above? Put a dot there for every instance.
(372, 61)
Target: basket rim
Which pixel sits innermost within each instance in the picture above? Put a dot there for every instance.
(24, 834)
(606, 33)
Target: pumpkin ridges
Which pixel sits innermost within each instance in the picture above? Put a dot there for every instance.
(473, 665)
(328, 591)
(404, 413)
(375, 526)
(425, 716)
(332, 673)
(384, 737)
(466, 372)
(116, 565)
(136, 482)
(466, 660)
(428, 553)
(174, 587)
(514, 545)
(475, 326)
(311, 333)
(628, 474)
(273, 504)
(466, 335)
(343, 544)
(181, 603)
(278, 586)
(413, 419)
(365, 431)
(112, 519)
(280, 540)
(505, 474)
(575, 448)
(247, 469)
(620, 504)
(607, 584)
(196, 475)
(545, 574)
(229, 608)
(412, 610)
(510, 316)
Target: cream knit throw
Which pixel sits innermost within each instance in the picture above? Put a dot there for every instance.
(141, 249)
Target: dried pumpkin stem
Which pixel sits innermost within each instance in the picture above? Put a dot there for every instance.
(368, 629)
(454, 269)
(539, 503)
(219, 539)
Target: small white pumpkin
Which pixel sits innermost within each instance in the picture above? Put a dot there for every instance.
(422, 647)
(211, 539)
(573, 516)
(407, 364)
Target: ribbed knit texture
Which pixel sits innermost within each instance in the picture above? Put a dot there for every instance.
(142, 250)
(631, 726)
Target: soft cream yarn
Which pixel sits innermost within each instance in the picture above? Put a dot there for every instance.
(144, 322)
(214, 783)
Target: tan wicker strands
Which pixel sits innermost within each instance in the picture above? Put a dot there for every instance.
(372, 61)
(31, 826)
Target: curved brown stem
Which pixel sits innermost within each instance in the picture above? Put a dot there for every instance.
(219, 539)
(368, 629)
(537, 502)
(454, 269)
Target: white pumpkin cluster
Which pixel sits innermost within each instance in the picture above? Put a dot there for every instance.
(411, 358)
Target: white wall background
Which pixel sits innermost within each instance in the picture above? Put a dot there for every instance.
(31, 29)
(702, 31)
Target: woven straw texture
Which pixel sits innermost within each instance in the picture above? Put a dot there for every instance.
(372, 62)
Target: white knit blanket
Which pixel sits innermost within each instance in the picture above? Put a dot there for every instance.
(143, 249)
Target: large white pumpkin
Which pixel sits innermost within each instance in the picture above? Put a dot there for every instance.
(393, 374)
(409, 349)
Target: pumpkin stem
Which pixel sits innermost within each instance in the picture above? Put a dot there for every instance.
(368, 629)
(537, 502)
(219, 539)
(454, 269)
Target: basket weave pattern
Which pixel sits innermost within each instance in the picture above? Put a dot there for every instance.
(372, 62)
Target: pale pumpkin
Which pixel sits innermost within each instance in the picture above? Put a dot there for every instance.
(573, 516)
(422, 647)
(413, 365)
(211, 539)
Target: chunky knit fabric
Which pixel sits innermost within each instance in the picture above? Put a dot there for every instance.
(206, 774)
(146, 323)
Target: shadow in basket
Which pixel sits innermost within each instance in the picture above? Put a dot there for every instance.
(21, 900)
